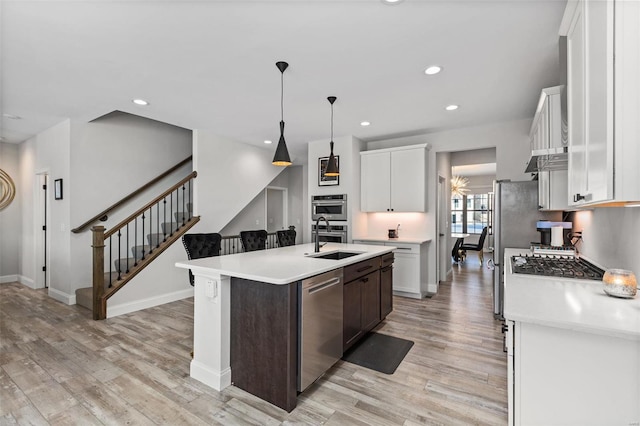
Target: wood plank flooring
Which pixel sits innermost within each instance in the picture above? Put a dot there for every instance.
(60, 367)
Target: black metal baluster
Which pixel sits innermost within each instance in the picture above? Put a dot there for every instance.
(135, 243)
(184, 211)
(171, 215)
(142, 235)
(127, 251)
(158, 224)
(164, 220)
(150, 238)
(110, 259)
(119, 256)
(190, 200)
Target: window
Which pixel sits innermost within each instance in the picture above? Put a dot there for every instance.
(470, 213)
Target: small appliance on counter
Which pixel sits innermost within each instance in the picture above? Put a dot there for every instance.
(394, 233)
(553, 233)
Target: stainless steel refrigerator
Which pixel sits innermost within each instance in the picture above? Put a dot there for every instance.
(515, 213)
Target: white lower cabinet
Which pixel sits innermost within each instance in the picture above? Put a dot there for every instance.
(559, 376)
(409, 267)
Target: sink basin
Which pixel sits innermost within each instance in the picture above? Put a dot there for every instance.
(335, 255)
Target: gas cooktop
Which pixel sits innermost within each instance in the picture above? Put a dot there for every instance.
(556, 266)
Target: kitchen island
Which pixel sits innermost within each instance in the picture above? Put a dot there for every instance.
(246, 322)
(573, 352)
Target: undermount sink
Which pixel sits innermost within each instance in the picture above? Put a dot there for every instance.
(335, 255)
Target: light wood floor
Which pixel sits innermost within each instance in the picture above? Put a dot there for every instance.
(60, 367)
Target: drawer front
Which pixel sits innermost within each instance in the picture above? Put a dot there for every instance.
(360, 269)
(406, 248)
(387, 259)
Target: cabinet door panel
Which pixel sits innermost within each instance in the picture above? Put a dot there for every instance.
(408, 180)
(386, 291)
(352, 326)
(370, 300)
(375, 182)
(575, 106)
(598, 18)
(406, 273)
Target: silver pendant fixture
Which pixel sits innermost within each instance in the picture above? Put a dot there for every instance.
(332, 165)
(281, 157)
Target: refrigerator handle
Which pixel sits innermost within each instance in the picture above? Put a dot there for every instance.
(497, 232)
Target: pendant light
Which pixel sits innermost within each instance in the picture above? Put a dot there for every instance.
(332, 165)
(281, 158)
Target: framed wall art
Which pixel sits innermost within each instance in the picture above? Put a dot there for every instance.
(322, 166)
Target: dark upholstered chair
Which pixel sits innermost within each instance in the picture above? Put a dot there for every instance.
(477, 247)
(201, 245)
(286, 238)
(254, 240)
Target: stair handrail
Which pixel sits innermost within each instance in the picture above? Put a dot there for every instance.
(103, 214)
(132, 216)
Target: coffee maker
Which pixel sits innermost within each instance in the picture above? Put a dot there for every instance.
(545, 228)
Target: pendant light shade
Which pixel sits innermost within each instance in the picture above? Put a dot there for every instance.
(332, 165)
(281, 157)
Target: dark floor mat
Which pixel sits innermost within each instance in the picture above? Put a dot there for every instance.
(379, 352)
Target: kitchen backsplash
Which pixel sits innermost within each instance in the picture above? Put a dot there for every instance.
(412, 225)
(611, 236)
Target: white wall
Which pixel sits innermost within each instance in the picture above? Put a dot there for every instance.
(611, 236)
(511, 141)
(48, 153)
(99, 162)
(230, 175)
(348, 149)
(10, 217)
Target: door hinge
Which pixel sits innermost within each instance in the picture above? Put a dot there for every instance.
(44, 269)
(44, 187)
(44, 228)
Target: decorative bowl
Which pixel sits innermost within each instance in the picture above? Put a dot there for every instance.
(620, 283)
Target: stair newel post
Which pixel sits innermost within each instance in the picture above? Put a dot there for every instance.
(99, 302)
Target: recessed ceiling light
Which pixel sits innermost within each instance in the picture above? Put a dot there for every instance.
(433, 69)
(391, 1)
(267, 141)
(451, 107)
(12, 117)
(140, 102)
(365, 123)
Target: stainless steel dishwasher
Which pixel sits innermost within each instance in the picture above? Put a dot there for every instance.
(320, 326)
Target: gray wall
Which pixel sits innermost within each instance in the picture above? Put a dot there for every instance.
(10, 217)
(611, 236)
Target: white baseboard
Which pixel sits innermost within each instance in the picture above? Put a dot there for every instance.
(125, 308)
(205, 374)
(8, 279)
(63, 297)
(27, 281)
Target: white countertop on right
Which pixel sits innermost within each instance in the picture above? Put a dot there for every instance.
(573, 304)
(405, 240)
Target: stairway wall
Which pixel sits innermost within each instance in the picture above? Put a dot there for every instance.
(230, 175)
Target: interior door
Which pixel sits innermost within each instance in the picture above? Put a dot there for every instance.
(276, 208)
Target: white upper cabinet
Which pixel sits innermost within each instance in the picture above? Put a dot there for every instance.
(394, 179)
(603, 100)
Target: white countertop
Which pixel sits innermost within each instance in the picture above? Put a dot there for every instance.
(573, 304)
(405, 240)
(281, 265)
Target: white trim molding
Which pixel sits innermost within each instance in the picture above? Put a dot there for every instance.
(125, 308)
(8, 279)
(61, 296)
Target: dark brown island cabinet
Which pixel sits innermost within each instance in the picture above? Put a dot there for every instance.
(265, 326)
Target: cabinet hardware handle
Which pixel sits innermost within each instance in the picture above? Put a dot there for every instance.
(364, 268)
(364, 280)
(403, 248)
(578, 197)
(505, 328)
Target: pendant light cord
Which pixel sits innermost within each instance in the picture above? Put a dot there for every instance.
(282, 96)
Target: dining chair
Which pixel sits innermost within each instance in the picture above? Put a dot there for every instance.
(286, 238)
(254, 240)
(476, 247)
(201, 245)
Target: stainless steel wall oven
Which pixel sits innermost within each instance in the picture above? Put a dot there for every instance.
(336, 234)
(332, 207)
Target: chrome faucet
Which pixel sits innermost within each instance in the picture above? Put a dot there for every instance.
(317, 228)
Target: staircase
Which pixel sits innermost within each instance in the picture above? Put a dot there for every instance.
(122, 252)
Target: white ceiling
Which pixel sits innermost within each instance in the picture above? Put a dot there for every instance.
(211, 64)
